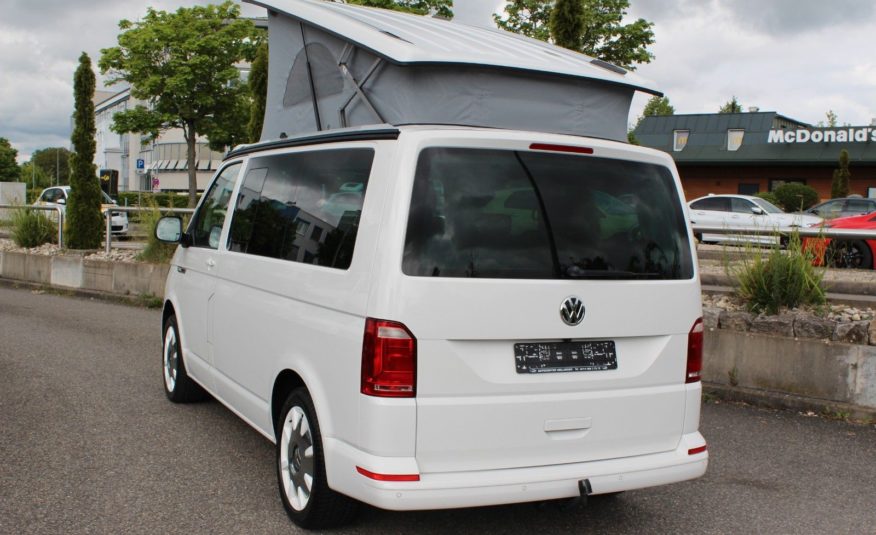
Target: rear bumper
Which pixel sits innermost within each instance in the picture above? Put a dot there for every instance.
(494, 487)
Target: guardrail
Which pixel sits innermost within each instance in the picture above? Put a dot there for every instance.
(806, 232)
(57, 209)
(133, 209)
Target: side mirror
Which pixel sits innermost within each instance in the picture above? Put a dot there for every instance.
(169, 229)
(61, 201)
(757, 210)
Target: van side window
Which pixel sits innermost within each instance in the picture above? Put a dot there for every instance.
(207, 222)
(284, 196)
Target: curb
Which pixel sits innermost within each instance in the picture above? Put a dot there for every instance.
(132, 300)
(775, 400)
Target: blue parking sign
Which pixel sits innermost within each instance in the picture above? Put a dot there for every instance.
(141, 164)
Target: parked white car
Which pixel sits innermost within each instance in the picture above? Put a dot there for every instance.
(424, 317)
(57, 197)
(744, 211)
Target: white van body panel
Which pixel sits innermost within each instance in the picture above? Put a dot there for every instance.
(477, 432)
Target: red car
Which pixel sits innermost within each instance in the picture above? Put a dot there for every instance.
(847, 253)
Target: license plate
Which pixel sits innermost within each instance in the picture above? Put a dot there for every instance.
(554, 357)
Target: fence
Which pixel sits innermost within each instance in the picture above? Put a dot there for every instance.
(106, 213)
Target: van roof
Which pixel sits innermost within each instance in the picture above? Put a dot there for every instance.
(406, 39)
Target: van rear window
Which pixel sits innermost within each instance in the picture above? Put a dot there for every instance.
(533, 215)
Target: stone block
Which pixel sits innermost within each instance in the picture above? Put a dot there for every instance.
(782, 325)
(139, 279)
(14, 265)
(97, 275)
(67, 271)
(735, 320)
(807, 326)
(873, 333)
(710, 318)
(38, 268)
(855, 332)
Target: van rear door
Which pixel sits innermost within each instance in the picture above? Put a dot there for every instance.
(500, 248)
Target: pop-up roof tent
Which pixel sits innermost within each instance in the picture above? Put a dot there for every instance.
(334, 65)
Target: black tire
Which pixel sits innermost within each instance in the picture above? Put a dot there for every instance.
(323, 507)
(178, 386)
(849, 254)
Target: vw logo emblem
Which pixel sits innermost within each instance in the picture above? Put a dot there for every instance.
(572, 311)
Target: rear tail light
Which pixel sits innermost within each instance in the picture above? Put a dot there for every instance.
(389, 360)
(387, 477)
(561, 148)
(696, 451)
(695, 352)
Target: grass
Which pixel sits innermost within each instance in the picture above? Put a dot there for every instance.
(776, 279)
(32, 229)
(155, 251)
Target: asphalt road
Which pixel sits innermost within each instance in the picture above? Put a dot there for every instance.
(89, 444)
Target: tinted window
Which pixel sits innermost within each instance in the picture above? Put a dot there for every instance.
(284, 196)
(207, 223)
(859, 206)
(507, 214)
(716, 204)
(829, 209)
(741, 206)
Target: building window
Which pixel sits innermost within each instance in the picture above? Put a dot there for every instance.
(679, 139)
(734, 139)
(748, 189)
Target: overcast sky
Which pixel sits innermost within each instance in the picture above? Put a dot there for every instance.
(797, 57)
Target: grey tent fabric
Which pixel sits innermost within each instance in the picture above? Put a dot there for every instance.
(319, 79)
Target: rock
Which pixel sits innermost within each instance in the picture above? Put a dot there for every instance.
(856, 332)
(807, 326)
(856, 317)
(736, 320)
(710, 317)
(873, 333)
(782, 325)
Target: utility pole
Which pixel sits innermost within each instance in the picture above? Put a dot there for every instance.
(57, 166)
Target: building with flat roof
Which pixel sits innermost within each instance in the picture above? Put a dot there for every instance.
(754, 152)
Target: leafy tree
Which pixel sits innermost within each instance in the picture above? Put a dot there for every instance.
(603, 34)
(442, 8)
(839, 187)
(55, 162)
(658, 106)
(793, 196)
(34, 176)
(9, 171)
(527, 17)
(566, 23)
(655, 106)
(84, 221)
(183, 65)
(258, 91)
(731, 106)
(831, 117)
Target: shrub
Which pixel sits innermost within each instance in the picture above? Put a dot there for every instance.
(793, 197)
(32, 229)
(769, 282)
(768, 196)
(155, 251)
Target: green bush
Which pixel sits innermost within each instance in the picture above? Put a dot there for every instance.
(165, 200)
(30, 228)
(768, 196)
(794, 197)
(777, 279)
(155, 251)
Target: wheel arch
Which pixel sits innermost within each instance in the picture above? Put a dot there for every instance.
(286, 381)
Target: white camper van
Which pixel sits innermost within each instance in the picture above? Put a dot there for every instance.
(433, 316)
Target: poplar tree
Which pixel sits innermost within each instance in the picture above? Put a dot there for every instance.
(84, 221)
(567, 24)
(258, 90)
(839, 187)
